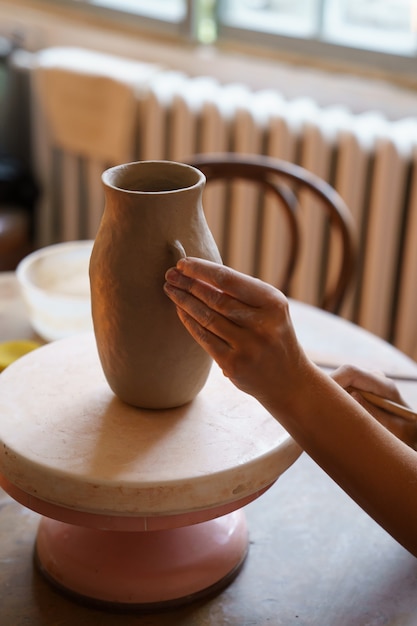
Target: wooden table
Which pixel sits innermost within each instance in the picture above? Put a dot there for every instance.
(315, 557)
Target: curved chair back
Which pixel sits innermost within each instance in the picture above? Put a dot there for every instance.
(286, 180)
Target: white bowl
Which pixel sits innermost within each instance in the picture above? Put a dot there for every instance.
(56, 289)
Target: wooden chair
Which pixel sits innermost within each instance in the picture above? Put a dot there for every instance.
(288, 184)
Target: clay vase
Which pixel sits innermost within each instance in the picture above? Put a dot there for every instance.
(153, 215)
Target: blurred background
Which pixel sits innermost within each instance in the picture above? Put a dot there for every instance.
(328, 84)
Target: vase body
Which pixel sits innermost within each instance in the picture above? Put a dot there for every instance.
(153, 215)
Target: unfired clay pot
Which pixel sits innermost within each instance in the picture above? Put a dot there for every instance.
(153, 215)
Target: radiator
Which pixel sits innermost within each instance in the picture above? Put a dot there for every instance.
(369, 160)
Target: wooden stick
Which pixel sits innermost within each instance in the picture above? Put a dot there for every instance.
(412, 378)
(388, 405)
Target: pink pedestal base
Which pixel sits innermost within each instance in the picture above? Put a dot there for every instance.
(143, 570)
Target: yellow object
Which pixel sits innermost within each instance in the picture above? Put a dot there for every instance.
(12, 350)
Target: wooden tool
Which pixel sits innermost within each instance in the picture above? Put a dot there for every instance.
(389, 405)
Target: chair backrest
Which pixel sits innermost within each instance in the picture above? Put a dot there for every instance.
(289, 183)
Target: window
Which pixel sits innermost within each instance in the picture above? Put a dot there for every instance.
(165, 10)
(298, 18)
(372, 32)
(371, 24)
(377, 32)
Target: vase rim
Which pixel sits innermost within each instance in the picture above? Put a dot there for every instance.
(153, 177)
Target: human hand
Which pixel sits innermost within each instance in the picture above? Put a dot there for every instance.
(242, 322)
(355, 379)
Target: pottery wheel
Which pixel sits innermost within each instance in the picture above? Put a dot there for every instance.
(75, 453)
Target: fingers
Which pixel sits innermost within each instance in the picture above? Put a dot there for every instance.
(404, 430)
(215, 346)
(354, 380)
(240, 321)
(351, 376)
(197, 307)
(246, 289)
(214, 319)
(210, 306)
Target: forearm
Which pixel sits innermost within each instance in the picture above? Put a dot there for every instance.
(245, 326)
(375, 468)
